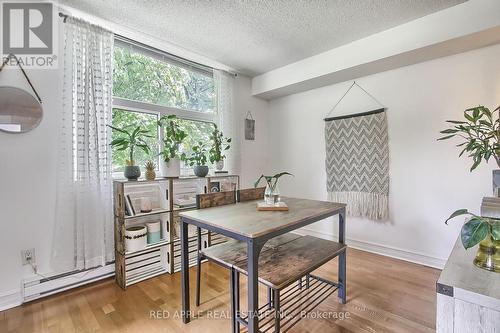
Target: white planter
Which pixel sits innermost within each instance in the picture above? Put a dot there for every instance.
(136, 238)
(219, 165)
(171, 168)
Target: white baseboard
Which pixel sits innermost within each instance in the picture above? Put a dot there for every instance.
(10, 299)
(388, 251)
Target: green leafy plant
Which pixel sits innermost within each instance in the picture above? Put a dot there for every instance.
(476, 228)
(131, 139)
(198, 155)
(173, 138)
(271, 181)
(481, 134)
(219, 145)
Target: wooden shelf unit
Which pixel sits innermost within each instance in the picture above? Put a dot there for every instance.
(169, 198)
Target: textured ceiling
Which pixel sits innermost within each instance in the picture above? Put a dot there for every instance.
(254, 37)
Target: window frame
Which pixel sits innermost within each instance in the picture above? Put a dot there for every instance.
(161, 110)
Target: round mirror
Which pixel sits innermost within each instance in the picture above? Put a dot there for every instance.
(19, 110)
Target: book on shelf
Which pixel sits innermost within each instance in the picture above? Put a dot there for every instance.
(129, 206)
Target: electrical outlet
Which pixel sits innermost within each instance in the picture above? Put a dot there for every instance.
(28, 256)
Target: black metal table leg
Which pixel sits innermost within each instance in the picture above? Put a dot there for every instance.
(342, 259)
(277, 311)
(237, 299)
(253, 251)
(198, 265)
(185, 271)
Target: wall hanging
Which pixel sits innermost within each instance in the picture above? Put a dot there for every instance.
(357, 161)
(249, 127)
(19, 110)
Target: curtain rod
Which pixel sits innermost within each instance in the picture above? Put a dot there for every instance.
(123, 38)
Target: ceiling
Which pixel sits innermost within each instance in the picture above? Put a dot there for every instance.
(254, 37)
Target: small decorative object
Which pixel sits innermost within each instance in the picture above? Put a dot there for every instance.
(136, 238)
(272, 194)
(150, 170)
(280, 207)
(130, 139)
(154, 232)
(486, 232)
(198, 160)
(249, 127)
(146, 205)
(480, 131)
(174, 136)
(215, 187)
(219, 145)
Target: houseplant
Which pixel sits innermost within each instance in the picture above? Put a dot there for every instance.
(131, 139)
(486, 232)
(271, 194)
(173, 138)
(198, 159)
(480, 132)
(219, 145)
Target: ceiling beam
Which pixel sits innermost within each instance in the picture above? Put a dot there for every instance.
(460, 28)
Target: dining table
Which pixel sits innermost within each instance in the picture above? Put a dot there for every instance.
(243, 222)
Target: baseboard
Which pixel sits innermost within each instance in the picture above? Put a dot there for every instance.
(10, 299)
(387, 251)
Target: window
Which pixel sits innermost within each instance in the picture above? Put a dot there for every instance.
(148, 84)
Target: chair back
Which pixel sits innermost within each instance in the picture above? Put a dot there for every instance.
(215, 199)
(251, 194)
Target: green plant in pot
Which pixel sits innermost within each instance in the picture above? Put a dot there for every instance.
(485, 232)
(219, 145)
(480, 134)
(198, 159)
(171, 153)
(131, 139)
(272, 193)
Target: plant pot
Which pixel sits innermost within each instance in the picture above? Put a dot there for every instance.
(200, 170)
(219, 165)
(132, 172)
(488, 254)
(496, 183)
(171, 168)
(136, 238)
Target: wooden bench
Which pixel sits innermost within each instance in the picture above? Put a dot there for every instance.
(279, 268)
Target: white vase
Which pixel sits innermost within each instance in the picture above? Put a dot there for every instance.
(219, 165)
(171, 168)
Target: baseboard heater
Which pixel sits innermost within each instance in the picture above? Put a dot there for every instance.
(42, 287)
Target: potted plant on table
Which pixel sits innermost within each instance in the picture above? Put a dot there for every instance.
(198, 159)
(219, 145)
(173, 138)
(480, 131)
(272, 193)
(485, 232)
(131, 139)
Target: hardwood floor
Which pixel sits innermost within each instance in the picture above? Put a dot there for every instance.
(383, 295)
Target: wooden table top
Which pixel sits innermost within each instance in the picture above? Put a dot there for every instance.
(244, 219)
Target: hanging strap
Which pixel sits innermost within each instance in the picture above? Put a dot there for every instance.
(354, 83)
(10, 56)
(249, 115)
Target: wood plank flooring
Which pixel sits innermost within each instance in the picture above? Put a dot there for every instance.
(383, 295)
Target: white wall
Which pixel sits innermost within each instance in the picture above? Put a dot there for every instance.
(428, 180)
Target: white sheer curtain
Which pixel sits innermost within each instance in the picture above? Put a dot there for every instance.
(227, 118)
(83, 235)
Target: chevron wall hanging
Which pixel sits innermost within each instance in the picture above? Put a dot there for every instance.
(357, 163)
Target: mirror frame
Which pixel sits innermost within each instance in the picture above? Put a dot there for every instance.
(39, 120)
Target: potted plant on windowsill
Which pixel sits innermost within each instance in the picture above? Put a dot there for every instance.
(131, 139)
(171, 154)
(219, 145)
(198, 159)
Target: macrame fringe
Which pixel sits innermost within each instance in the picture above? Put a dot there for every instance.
(374, 206)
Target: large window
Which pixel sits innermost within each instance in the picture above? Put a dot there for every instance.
(148, 84)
